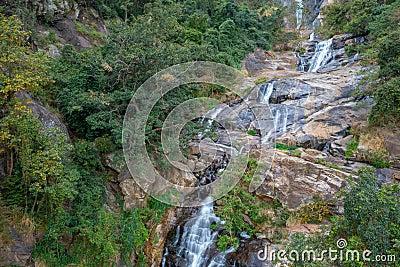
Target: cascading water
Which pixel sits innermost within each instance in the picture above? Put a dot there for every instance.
(323, 54)
(212, 115)
(196, 241)
(266, 90)
(299, 13)
(302, 63)
(280, 112)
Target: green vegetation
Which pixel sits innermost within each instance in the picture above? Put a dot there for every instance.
(296, 153)
(370, 221)
(252, 132)
(351, 149)
(243, 211)
(58, 188)
(379, 158)
(323, 161)
(378, 20)
(284, 147)
(96, 85)
(93, 34)
(261, 80)
(314, 212)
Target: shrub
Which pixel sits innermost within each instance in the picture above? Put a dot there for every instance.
(314, 212)
(296, 153)
(379, 158)
(261, 80)
(284, 147)
(252, 132)
(351, 149)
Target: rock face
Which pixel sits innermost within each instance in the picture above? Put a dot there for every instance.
(294, 181)
(313, 110)
(158, 236)
(247, 254)
(63, 17)
(133, 195)
(19, 251)
(260, 61)
(46, 117)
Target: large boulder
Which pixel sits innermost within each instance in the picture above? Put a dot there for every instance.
(329, 125)
(295, 181)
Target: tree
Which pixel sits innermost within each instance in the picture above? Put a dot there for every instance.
(20, 69)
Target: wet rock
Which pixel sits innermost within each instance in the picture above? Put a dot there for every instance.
(334, 56)
(260, 61)
(247, 254)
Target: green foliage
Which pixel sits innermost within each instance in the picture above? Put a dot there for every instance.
(351, 149)
(378, 20)
(371, 221)
(252, 165)
(46, 39)
(241, 210)
(226, 241)
(284, 147)
(96, 85)
(314, 212)
(365, 199)
(334, 166)
(261, 80)
(92, 34)
(351, 16)
(104, 144)
(296, 153)
(387, 109)
(21, 69)
(378, 158)
(322, 161)
(252, 132)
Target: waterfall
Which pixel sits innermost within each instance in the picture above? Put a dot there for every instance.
(302, 65)
(212, 114)
(299, 13)
(284, 121)
(323, 54)
(312, 36)
(266, 91)
(197, 239)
